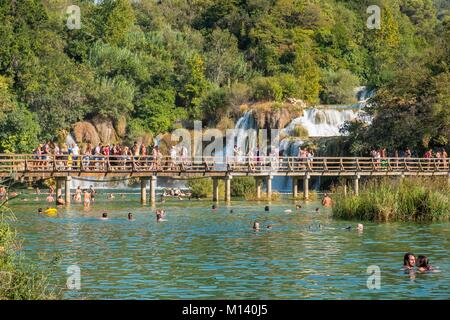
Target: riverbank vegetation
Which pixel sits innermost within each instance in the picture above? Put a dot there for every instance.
(136, 69)
(19, 278)
(410, 199)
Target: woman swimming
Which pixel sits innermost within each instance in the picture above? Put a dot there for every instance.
(423, 264)
(409, 261)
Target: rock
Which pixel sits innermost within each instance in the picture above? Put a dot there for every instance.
(105, 130)
(85, 132)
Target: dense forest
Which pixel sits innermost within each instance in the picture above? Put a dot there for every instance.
(145, 66)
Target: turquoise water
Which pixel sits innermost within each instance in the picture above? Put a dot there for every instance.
(203, 254)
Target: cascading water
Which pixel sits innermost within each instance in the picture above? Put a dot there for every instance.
(318, 122)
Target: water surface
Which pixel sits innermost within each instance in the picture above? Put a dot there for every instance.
(203, 254)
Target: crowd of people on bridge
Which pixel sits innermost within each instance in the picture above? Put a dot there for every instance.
(102, 156)
(142, 157)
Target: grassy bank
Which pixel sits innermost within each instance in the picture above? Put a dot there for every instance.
(19, 279)
(413, 199)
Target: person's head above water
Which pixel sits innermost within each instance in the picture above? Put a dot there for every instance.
(317, 209)
(130, 216)
(104, 215)
(266, 208)
(214, 207)
(423, 262)
(40, 210)
(409, 260)
(298, 207)
(256, 225)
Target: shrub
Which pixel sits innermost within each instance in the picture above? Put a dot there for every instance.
(240, 186)
(415, 199)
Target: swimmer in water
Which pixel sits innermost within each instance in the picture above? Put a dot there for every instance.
(231, 211)
(317, 210)
(87, 199)
(50, 198)
(60, 201)
(104, 216)
(409, 261)
(269, 226)
(423, 264)
(298, 207)
(130, 216)
(40, 210)
(256, 226)
(77, 196)
(111, 196)
(326, 201)
(266, 208)
(214, 207)
(159, 216)
(360, 227)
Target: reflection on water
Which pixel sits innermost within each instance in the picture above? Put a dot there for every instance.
(203, 254)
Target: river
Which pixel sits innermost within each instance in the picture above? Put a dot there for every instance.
(203, 254)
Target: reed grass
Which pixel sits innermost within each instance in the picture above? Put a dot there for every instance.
(409, 199)
(19, 278)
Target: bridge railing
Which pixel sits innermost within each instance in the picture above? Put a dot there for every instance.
(103, 164)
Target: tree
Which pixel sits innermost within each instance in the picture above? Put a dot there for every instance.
(19, 131)
(338, 87)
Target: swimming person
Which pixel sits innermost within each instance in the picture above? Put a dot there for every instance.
(50, 198)
(78, 194)
(326, 201)
(423, 264)
(60, 201)
(40, 210)
(298, 207)
(269, 226)
(409, 261)
(214, 207)
(87, 199)
(104, 216)
(360, 227)
(256, 226)
(317, 210)
(266, 208)
(158, 215)
(130, 216)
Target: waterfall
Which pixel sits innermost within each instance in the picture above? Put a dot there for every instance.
(321, 122)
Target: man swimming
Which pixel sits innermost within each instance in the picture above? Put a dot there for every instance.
(130, 216)
(104, 216)
(256, 226)
(326, 201)
(87, 199)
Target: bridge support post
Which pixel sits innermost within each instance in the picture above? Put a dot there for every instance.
(215, 189)
(258, 181)
(152, 190)
(144, 190)
(306, 187)
(67, 183)
(356, 185)
(294, 187)
(345, 187)
(59, 183)
(269, 187)
(228, 188)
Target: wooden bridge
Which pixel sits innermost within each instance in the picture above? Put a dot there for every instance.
(63, 167)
